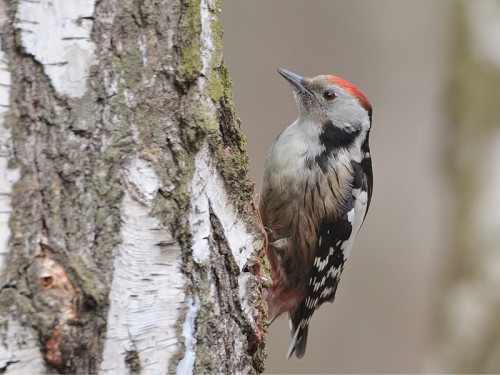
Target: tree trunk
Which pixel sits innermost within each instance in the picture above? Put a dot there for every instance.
(467, 335)
(128, 238)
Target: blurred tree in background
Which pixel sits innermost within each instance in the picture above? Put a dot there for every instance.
(467, 335)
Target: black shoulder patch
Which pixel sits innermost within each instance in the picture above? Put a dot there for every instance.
(333, 137)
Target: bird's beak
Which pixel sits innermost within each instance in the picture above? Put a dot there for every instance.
(296, 80)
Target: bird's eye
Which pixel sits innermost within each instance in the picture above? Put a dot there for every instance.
(329, 95)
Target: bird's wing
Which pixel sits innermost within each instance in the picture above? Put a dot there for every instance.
(334, 242)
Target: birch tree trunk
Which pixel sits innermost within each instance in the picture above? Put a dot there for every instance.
(128, 238)
(467, 337)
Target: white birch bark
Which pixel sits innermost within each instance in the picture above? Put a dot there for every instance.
(128, 239)
(8, 176)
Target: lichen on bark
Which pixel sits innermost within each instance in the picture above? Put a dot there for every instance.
(157, 95)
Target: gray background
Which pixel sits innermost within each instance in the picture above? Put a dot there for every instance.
(395, 51)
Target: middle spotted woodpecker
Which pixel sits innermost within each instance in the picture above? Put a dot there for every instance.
(315, 194)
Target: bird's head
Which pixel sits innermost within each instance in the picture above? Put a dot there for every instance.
(330, 100)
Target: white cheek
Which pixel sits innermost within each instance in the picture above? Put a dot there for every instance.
(347, 113)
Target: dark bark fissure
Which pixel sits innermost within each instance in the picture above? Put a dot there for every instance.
(4, 369)
(226, 278)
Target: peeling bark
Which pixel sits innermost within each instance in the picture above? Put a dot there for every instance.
(129, 242)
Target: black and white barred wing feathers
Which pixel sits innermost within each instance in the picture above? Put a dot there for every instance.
(334, 242)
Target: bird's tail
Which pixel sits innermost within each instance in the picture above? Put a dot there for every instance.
(299, 336)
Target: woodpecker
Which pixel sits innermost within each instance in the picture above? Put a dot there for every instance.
(316, 191)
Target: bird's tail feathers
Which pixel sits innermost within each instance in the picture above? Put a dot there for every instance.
(299, 338)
